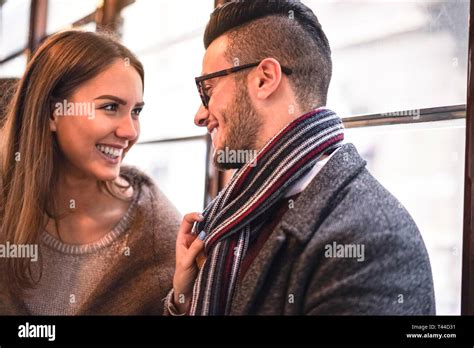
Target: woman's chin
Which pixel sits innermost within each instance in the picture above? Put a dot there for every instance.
(107, 174)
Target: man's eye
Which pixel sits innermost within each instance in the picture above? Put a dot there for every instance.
(207, 89)
(110, 107)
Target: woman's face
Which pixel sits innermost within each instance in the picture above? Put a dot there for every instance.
(99, 123)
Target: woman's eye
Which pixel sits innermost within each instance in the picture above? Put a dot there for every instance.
(137, 111)
(110, 107)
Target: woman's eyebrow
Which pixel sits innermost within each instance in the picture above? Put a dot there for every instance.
(141, 104)
(112, 97)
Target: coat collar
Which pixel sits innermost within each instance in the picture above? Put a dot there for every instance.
(338, 171)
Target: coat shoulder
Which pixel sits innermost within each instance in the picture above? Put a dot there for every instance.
(370, 247)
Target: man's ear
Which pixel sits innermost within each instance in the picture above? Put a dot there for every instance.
(268, 78)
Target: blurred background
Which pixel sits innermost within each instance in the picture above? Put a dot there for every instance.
(399, 82)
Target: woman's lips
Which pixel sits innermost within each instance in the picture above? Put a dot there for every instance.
(112, 161)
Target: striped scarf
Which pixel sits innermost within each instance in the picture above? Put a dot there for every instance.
(233, 219)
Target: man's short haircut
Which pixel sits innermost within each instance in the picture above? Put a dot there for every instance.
(282, 29)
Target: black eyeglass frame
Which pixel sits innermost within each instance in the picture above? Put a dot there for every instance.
(199, 80)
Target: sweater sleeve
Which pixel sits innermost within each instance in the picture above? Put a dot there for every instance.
(169, 307)
(167, 220)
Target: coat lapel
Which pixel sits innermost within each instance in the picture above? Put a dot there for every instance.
(254, 278)
(297, 223)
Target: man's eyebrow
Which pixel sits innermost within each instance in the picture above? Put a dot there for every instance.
(112, 97)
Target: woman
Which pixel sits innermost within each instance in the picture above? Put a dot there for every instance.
(105, 233)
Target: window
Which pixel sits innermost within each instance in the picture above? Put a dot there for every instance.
(392, 61)
(395, 55)
(179, 169)
(62, 13)
(14, 21)
(423, 166)
(13, 67)
(171, 53)
(415, 59)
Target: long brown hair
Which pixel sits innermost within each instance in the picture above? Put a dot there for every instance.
(29, 153)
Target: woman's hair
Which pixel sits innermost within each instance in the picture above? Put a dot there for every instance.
(7, 88)
(29, 154)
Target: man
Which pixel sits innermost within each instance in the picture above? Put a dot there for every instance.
(303, 228)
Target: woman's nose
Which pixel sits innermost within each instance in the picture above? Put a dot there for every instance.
(127, 129)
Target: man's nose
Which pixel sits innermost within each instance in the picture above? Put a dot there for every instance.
(201, 117)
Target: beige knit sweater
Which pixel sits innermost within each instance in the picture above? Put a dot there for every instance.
(127, 272)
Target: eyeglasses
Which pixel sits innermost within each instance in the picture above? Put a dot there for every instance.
(202, 90)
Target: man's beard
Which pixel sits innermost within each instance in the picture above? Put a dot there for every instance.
(243, 125)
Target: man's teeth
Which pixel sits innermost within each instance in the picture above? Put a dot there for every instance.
(112, 152)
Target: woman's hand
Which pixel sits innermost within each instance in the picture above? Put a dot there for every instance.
(188, 247)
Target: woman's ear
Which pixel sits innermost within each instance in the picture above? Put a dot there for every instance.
(53, 120)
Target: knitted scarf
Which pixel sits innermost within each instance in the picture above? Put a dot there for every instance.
(233, 219)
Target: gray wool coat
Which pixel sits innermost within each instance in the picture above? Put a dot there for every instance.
(310, 265)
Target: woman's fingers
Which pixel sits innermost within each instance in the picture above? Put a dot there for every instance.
(188, 222)
(185, 237)
(188, 245)
(193, 251)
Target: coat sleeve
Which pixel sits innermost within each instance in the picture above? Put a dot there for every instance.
(392, 278)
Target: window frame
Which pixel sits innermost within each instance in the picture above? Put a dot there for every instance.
(467, 293)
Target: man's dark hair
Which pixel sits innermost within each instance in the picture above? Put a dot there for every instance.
(282, 29)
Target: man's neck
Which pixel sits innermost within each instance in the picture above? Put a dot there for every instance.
(279, 119)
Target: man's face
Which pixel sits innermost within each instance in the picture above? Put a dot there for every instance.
(231, 118)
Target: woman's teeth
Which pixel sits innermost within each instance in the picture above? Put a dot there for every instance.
(109, 151)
